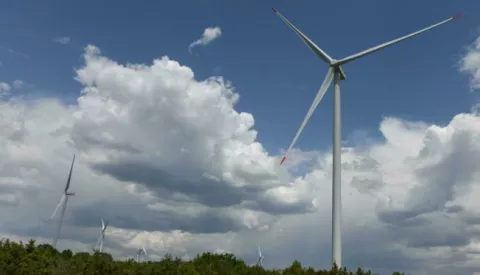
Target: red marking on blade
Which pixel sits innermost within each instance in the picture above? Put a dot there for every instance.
(274, 10)
(283, 159)
(458, 16)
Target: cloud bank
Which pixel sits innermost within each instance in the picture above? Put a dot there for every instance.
(174, 176)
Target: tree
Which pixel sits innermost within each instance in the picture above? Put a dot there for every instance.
(32, 259)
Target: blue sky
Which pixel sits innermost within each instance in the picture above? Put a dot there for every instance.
(274, 72)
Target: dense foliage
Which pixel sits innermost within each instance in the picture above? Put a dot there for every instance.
(32, 259)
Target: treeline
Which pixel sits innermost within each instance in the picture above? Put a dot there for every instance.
(31, 259)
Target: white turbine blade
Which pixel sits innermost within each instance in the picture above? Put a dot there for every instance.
(60, 222)
(318, 98)
(323, 55)
(144, 251)
(259, 252)
(62, 199)
(394, 41)
(102, 239)
(97, 244)
(69, 175)
(103, 224)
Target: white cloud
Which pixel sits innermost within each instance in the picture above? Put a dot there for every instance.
(18, 84)
(4, 89)
(209, 34)
(175, 176)
(470, 63)
(62, 40)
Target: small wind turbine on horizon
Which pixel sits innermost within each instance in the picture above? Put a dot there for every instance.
(141, 253)
(63, 204)
(260, 257)
(99, 245)
(336, 73)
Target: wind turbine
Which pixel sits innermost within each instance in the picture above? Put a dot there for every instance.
(140, 254)
(63, 203)
(336, 73)
(260, 257)
(101, 239)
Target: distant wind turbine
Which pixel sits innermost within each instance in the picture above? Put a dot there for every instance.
(62, 203)
(260, 257)
(336, 73)
(101, 239)
(140, 254)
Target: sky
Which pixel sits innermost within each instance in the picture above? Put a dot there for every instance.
(179, 112)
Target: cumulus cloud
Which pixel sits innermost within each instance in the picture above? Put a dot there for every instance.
(4, 89)
(175, 176)
(62, 40)
(147, 145)
(209, 34)
(18, 84)
(470, 63)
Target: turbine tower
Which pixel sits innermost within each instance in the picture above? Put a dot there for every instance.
(140, 254)
(260, 257)
(62, 203)
(336, 73)
(101, 239)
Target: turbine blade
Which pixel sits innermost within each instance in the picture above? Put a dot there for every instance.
(259, 252)
(62, 199)
(97, 244)
(394, 41)
(318, 98)
(60, 221)
(106, 224)
(69, 175)
(323, 55)
(103, 224)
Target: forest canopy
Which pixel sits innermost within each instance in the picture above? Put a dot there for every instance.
(43, 259)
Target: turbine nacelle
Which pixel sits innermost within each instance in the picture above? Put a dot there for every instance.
(70, 194)
(339, 69)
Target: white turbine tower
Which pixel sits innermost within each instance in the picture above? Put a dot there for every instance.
(141, 253)
(336, 73)
(62, 203)
(260, 257)
(101, 239)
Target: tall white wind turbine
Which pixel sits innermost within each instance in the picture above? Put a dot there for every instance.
(62, 203)
(141, 253)
(336, 73)
(101, 239)
(260, 257)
